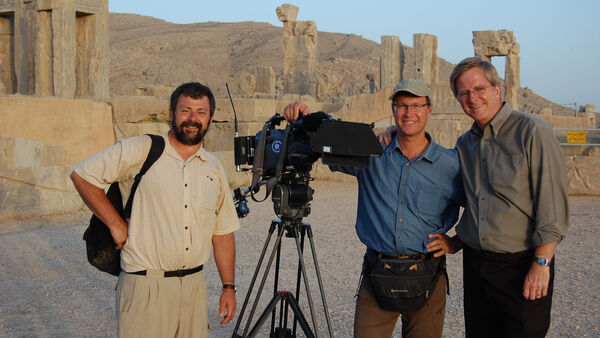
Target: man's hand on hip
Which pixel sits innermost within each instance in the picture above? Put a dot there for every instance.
(119, 234)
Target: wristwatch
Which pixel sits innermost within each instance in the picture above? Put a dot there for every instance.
(229, 286)
(541, 261)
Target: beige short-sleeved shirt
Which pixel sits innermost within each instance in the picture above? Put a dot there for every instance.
(178, 206)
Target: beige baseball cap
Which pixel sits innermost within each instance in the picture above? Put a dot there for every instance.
(413, 86)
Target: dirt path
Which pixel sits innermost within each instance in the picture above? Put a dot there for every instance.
(48, 289)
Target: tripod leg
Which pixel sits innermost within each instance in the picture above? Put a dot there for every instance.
(300, 316)
(305, 277)
(265, 275)
(263, 316)
(319, 279)
(299, 273)
(251, 287)
(276, 283)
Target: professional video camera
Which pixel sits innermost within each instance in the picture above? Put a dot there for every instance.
(282, 158)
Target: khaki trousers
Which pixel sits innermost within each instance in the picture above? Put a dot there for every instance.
(371, 321)
(156, 306)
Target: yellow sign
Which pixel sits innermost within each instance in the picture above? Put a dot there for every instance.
(576, 136)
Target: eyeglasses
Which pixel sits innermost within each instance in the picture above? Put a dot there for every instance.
(405, 108)
(477, 91)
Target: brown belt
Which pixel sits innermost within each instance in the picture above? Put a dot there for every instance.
(420, 256)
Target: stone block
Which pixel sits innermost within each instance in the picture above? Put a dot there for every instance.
(584, 176)
(244, 83)
(220, 135)
(255, 80)
(391, 62)
(444, 131)
(156, 91)
(60, 47)
(367, 108)
(248, 110)
(133, 109)
(236, 179)
(18, 152)
(287, 12)
(571, 122)
(80, 127)
(125, 130)
(37, 191)
(265, 80)
(426, 59)
(494, 43)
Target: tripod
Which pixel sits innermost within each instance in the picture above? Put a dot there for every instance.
(286, 300)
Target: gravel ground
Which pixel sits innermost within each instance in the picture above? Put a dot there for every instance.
(48, 289)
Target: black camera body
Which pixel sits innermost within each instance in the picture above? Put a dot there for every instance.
(282, 159)
(291, 146)
(245, 149)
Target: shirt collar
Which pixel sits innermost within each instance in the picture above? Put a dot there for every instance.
(428, 154)
(496, 122)
(201, 153)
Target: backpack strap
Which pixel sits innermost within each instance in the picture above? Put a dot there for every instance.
(158, 145)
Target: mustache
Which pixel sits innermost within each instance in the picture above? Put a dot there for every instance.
(191, 124)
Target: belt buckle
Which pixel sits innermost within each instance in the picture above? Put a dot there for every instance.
(181, 273)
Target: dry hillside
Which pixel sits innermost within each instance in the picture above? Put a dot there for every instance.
(146, 51)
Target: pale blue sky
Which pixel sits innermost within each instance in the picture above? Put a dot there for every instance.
(560, 40)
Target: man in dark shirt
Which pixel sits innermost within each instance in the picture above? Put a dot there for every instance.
(516, 212)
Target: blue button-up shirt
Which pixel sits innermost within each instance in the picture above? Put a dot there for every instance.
(401, 201)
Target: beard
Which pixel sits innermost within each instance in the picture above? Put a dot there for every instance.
(189, 138)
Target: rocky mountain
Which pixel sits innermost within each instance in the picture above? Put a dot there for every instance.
(146, 51)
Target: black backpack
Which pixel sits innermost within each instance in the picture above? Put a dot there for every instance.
(99, 243)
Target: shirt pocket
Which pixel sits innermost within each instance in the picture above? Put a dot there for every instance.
(429, 201)
(206, 195)
(508, 173)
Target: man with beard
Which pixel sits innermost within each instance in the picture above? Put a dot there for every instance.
(181, 206)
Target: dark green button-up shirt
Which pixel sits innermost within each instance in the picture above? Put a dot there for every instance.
(515, 179)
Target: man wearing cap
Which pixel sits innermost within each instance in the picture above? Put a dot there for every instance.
(407, 200)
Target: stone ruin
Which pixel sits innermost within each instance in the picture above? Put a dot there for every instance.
(54, 48)
(501, 43)
(55, 51)
(299, 52)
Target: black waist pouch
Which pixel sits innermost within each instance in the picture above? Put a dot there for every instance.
(403, 285)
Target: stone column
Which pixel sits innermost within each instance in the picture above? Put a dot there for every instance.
(501, 43)
(590, 112)
(56, 48)
(7, 80)
(371, 78)
(426, 59)
(512, 77)
(299, 52)
(392, 61)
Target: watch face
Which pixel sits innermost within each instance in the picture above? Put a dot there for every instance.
(541, 261)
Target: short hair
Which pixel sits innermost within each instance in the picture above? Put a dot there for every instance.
(195, 90)
(488, 69)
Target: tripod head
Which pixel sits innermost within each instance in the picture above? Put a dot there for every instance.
(291, 196)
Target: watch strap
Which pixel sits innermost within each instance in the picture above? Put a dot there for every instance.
(229, 286)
